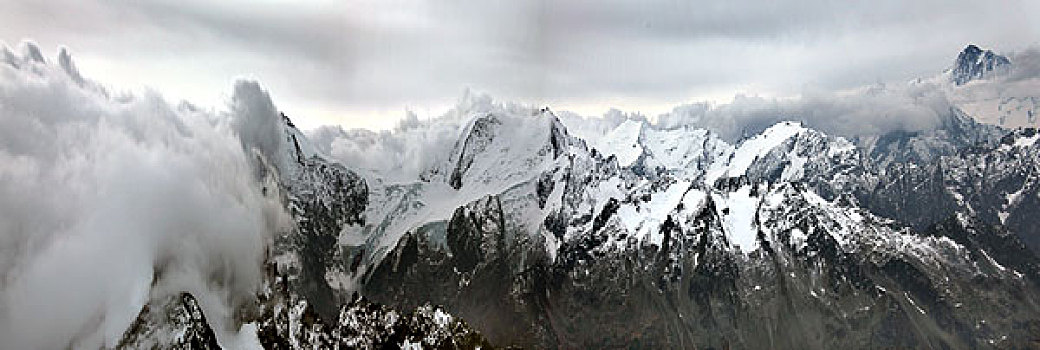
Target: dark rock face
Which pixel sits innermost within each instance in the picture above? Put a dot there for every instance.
(694, 292)
(300, 309)
(473, 277)
(974, 63)
(174, 323)
(996, 184)
(288, 321)
(324, 197)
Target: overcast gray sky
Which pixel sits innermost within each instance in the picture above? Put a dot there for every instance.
(362, 63)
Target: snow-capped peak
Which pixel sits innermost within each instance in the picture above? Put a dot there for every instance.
(623, 142)
(494, 142)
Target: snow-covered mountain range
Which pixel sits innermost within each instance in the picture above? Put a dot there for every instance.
(668, 236)
(510, 225)
(674, 238)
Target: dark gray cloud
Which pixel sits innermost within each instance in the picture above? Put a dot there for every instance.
(361, 63)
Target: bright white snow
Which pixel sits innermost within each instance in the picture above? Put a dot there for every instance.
(753, 148)
(645, 219)
(623, 142)
(740, 221)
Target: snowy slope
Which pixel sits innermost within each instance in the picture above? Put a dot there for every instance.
(683, 151)
(623, 142)
(752, 149)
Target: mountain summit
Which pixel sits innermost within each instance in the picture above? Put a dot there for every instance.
(974, 63)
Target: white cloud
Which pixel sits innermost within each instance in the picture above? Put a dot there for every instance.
(102, 197)
(257, 122)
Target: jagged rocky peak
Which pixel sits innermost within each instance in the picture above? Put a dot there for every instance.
(754, 149)
(175, 322)
(976, 63)
(288, 322)
(324, 197)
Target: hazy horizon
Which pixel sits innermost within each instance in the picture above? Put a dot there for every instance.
(363, 64)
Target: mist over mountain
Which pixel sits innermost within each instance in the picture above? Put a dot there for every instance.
(898, 215)
(111, 200)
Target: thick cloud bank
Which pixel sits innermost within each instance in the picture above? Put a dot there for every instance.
(867, 111)
(108, 200)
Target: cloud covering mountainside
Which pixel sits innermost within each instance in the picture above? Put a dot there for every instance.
(108, 200)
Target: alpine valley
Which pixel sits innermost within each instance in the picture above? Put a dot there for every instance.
(539, 229)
